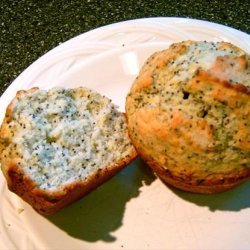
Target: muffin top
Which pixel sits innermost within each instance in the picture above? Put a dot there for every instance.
(189, 111)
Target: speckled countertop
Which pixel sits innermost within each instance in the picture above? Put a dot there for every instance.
(30, 28)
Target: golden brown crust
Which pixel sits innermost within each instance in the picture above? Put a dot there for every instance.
(46, 202)
(198, 188)
(188, 117)
(211, 184)
(155, 64)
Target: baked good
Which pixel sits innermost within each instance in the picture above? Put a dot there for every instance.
(189, 115)
(58, 145)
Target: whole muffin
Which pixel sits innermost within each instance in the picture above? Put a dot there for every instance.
(189, 115)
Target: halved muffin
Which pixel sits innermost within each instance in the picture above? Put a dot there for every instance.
(58, 145)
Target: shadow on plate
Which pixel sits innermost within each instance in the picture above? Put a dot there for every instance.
(100, 213)
(232, 200)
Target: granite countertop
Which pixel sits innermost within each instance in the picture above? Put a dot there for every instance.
(30, 28)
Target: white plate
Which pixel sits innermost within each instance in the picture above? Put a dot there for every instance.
(134, 210)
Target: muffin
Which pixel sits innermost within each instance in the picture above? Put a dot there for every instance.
(58, 145)
(188, 115)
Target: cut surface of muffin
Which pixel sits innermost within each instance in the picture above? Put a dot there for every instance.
(59, 144)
